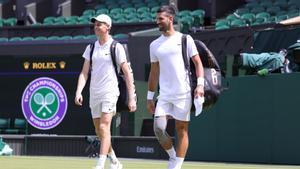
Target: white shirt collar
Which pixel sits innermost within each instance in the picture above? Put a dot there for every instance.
(107, 43)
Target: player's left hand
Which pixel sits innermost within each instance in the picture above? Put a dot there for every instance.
(199, 91)
(132, 104)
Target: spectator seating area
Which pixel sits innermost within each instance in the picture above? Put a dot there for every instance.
(121, 11)
(254, 12)
(67, 37)
(110, 4)
(13, 126)
(8, 22)
(260, 12)
(3, 1)
(118, 15)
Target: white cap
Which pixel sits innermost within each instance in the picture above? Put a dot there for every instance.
(102, 18)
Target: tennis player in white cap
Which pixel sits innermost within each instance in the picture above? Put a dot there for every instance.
(104, 89)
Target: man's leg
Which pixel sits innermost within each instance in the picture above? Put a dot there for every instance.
(160, 125)
(97, 130)
(115, 163)
(105, 137)
(183, 142)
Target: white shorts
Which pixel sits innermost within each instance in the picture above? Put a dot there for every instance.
(179, 109)
(103, 107)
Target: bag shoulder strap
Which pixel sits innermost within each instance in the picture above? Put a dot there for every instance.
(113, 54)
(112, 51)
(185, 59)
(212, 62)
(184, 53)
(92, 46)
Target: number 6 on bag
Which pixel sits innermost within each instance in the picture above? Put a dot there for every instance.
(212, 73)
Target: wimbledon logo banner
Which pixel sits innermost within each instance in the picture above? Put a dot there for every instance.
(44, 103)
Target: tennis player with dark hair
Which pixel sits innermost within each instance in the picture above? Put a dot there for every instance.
(174, 100)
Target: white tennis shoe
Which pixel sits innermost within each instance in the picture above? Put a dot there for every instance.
(98, 167)
(171, 163)
(116, 165)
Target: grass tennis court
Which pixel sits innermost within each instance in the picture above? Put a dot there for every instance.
(30, 162)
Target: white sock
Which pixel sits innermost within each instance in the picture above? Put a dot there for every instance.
(179, 162)
(171, 152)
(101, 160)
(112, 156)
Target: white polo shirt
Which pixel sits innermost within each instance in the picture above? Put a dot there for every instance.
(104, 83)
(173, 77)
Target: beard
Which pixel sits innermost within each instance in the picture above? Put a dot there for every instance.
(164, 28)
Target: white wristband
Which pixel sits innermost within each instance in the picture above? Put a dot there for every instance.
(200, 81)
(150, 95)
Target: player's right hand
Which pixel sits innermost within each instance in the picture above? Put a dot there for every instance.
(78, 99)
(150, 106)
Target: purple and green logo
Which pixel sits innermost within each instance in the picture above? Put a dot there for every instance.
(44, 103)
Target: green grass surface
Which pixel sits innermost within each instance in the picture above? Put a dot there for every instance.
(29, 162)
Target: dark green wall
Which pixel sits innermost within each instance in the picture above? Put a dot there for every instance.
(256, 120)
